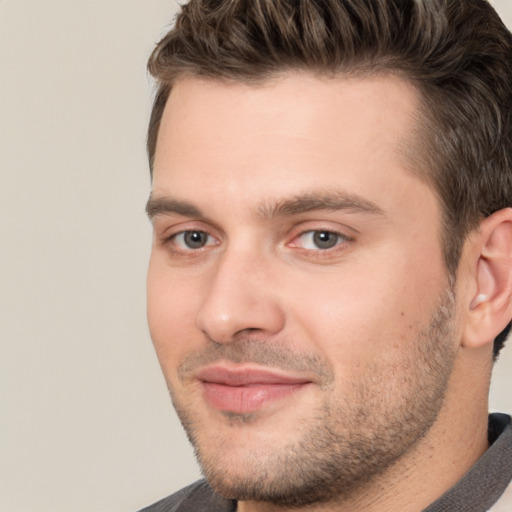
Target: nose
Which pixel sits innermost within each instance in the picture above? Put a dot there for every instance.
(240, 299)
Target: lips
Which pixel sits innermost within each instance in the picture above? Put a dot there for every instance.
(245, 390)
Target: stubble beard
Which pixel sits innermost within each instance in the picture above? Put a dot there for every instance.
(353, 438)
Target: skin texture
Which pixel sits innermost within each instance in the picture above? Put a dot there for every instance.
(292, 237)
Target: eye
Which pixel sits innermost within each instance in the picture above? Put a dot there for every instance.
(192, 240)
(319, 240)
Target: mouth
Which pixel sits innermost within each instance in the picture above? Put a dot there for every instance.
(244, 389)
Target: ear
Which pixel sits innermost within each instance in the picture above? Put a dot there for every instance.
(489, 308)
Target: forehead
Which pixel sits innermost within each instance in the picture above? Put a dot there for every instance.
(250, 142)
(292, 101)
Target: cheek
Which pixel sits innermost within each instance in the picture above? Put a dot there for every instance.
(171, 314)
(366, 311)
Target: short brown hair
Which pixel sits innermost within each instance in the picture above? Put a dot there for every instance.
(457, 53)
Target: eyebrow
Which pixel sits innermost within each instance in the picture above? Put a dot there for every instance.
(318, 201)
(302, 203)
(168, 206)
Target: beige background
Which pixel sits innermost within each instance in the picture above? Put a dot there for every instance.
(85, 421)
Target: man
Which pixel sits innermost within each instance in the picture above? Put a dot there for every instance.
(332, 257)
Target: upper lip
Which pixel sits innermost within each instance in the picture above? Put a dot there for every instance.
(247, 376)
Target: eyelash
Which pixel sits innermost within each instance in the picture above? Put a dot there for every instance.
(314, 236)
(338, 246)
(172, 244)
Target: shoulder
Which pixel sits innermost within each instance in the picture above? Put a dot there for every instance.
(197, 497)
(503, 422)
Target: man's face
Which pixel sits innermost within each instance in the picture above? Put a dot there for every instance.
(297, 296)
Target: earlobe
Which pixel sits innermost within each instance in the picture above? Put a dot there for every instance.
(490, 306)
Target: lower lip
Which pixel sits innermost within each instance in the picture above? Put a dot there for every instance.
(246, 399)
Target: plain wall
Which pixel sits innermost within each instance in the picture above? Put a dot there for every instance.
(86, 424)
